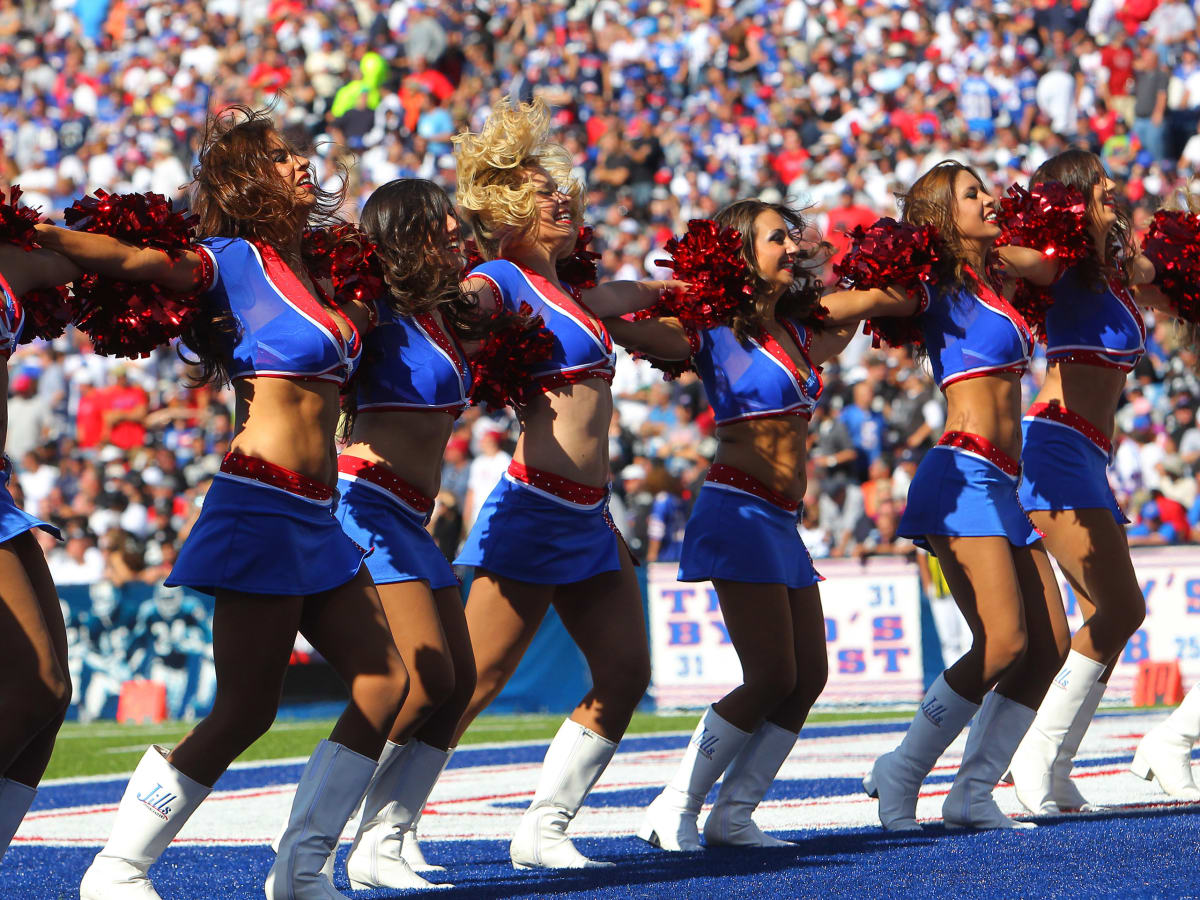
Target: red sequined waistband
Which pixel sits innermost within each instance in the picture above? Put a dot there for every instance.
(719, 473)
(255, 469)
(557, 485)
(1055, 412)
(973, 443)
(382, 476)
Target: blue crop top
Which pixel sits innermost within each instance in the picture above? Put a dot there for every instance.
(758, 379)
(582, 346)
(1097, 327)
(411, 363)
(972, 333)
(285, 332)
(12, 320)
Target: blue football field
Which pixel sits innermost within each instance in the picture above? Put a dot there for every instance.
(1141, 846)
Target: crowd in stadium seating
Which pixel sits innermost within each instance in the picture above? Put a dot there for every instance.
(672, 109)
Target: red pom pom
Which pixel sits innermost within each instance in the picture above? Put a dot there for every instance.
(890, 254)
(346, 256)
(1051, 218)
(503, 365)
(48, 312)
(17, 221)
(578, 271)
(709, 258)
(1173, 246)
(126, 318)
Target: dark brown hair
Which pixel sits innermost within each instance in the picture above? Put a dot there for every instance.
(803, 298)
(932, 201)
(236, 192)
(1083, 170)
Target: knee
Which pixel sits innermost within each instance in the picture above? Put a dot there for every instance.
(623, 681)
(465, 683)
(1003, 649)
(243, 721)
(772, 683)
(1130, 618)
(436, 681)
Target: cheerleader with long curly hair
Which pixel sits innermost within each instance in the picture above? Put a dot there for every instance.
(544, 537)
(266, 544)
(760, 362)
(962, 505)
(1094, 335)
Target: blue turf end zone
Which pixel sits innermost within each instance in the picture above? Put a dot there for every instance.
(1130, 854)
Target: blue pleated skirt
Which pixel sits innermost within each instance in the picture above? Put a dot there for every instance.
(258, 539)
(401, 548)
(1062, 469)
(530, 535)
(738, 536)
(959, 494)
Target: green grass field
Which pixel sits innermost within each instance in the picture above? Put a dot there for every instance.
(106, 748)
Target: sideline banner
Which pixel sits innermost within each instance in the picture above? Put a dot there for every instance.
(1170, 581)
(872, 629)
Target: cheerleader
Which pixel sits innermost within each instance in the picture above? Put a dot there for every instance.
(267, 543)
(761, 367)
(33, 643)
(414, 383)
(962, 504)
(1094, 335)
(544, 536)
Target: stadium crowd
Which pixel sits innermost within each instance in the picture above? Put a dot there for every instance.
(671, 109)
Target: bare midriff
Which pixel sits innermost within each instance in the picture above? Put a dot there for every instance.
(288, 422)
(1092, 392)
(565, 431)
(772, 450)
(990, 407)
(410, 443)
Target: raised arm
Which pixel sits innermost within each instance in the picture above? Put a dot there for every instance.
(112, 258)
(616, 298)
(660, 338)
(829, 342)
(1032, 265)
(28, 270)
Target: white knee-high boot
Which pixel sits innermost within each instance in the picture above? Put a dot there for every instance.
(991, 742)
(157, 802)
(1066, 795)
(746, 781)
(670, 821)
(1032, 764)
(15, 800)
(1165, 753)
(897, 775)
(575, 761)
(330, 788)
(393, 803)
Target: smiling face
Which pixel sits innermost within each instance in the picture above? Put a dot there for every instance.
(974, 210)
(293, 170)
(775, 251)
(1103, 203)
(556, 225)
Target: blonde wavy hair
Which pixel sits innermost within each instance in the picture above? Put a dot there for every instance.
(494, 191)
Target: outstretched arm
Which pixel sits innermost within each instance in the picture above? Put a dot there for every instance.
(616, 298)
(27, 270)
(847, 307)
(1032, 265)
(115, 259)
(829, 342)
(663, 338)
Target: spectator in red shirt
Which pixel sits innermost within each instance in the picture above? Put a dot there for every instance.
(89, 415)
(791, 159)
(123, 407)
(844, 218)
(1118, 58)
